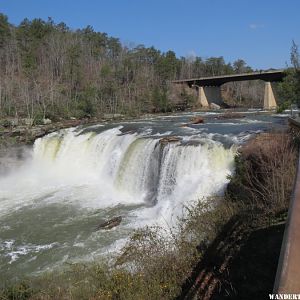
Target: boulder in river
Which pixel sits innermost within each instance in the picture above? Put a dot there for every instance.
(110, 223)
(214, 106)
(194, 121)
(169, 139)
(231, 115)
(197, 120)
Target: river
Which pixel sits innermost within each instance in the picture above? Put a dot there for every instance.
(73, 179)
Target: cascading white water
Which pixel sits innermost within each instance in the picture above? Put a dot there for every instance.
(188, 173)
(114, 168)
(138, 173)
(128, 168)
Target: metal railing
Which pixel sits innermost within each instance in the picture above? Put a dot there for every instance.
(288, 271)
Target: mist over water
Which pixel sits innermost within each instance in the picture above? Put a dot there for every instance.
(73, 179)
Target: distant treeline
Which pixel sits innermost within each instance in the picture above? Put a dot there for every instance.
(49, 70)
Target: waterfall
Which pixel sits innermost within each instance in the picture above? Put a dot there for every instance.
(75, 178)
(132, 168)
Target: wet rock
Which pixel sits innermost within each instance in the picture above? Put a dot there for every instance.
(169, 139)
(197, 120)
(214, 106)
(127, 132)
(193, 121)
(116, 221)
(230, 115)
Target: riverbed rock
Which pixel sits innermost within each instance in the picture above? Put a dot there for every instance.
(230, 115)
(169, 139)
(111, 223)
(214, 106)
(197, 120)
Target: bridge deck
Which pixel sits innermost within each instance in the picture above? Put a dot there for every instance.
(274, 75)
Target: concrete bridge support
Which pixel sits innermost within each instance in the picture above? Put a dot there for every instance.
(202, 100)
(209, 94)
(269, 99)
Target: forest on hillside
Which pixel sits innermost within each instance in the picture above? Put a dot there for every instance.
(48, 70)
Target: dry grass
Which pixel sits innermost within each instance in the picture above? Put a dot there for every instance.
(266, 171)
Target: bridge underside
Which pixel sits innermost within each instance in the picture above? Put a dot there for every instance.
(209, 90)
(212, 94)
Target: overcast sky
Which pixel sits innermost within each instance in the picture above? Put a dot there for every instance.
(258, 31)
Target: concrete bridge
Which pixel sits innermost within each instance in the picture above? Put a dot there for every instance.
(209, 90)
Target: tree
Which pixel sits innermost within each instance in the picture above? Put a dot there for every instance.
(167, 66)
(295, 59)
(289, 88)
(47, 69)
(240, 66)
(4, 29)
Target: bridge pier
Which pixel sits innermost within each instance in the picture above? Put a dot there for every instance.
(269, 98)
(202, 100)
(208, 95)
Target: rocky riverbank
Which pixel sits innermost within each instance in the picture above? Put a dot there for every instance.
(16, 135)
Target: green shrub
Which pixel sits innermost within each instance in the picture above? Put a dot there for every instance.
(282, 107)
(6, 123)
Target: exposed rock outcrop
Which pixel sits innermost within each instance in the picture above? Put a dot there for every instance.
(111, 223)
(169, 139)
